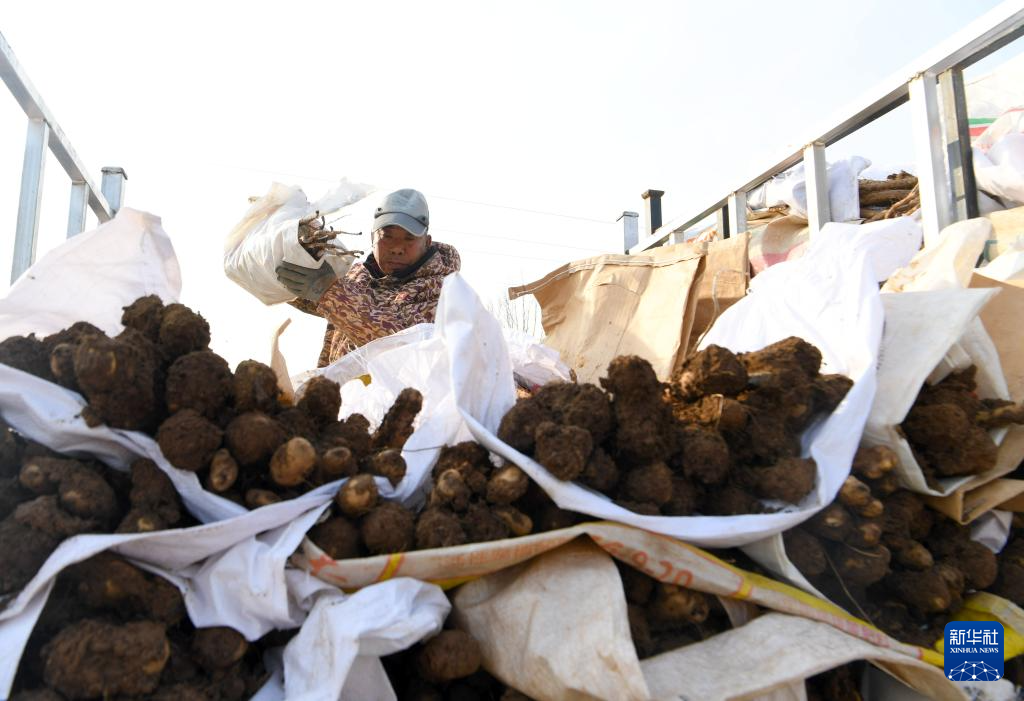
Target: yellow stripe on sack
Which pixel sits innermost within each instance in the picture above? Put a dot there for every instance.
(804, 598)
(926, 655)
(394, 561)
(447, 584)
(365, 379)
(746, 587)
(751, 585)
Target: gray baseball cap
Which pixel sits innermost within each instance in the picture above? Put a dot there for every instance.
(405, 208)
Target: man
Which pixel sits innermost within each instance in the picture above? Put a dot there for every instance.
(396, 287)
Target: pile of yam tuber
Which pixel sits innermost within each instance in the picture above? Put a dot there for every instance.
(46, 498)
(879, 551)
(470, 501)
(665, 616)
(111, 630)
(948, 425)
(233, 428)
(721, 438)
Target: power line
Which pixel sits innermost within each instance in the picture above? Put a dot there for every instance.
(432, 196)
(512, 255)
(477, 234)
(523, 209)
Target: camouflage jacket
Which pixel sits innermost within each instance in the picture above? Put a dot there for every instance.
(366, 304)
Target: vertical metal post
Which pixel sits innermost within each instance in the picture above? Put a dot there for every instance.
(653, 200)
(630, 229)
(112, 187)
(722, 222)
(31, 194)
(957, 135)
(737, 215)
(930, 152)
(819, 212)
(79, 203)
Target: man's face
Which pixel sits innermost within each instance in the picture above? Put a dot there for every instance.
(395, 248)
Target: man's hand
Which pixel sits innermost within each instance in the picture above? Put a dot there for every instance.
(308, 283)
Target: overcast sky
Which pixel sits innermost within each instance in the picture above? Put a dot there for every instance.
(504, 114)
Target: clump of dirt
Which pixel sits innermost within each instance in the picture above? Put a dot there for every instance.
(113, 630)
(722, 438)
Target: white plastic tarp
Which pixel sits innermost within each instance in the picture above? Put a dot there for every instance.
(421, 357)
(829, 297)
(90, 277)
(344, 631)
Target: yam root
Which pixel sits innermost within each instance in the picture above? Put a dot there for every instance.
(93, 659)
(357, 497)
(387, 463)
(223, 471)
(201, 381)
(254, 386)
(806, 552)
(831, 523)
(337, 537)
(438, 528)
(396, 427)
(188, 440)
(389, 528)
(293, 462)
(218, 648)
(336, 463)
(321, 400)
(506, 485)
(861, 567)
(451, 654)
(518, 523)
(714, 370)
(874, 462)
(563, 450)
(253, 437)
(600, 472)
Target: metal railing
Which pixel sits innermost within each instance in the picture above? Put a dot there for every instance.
(942, 144)
(43, 132)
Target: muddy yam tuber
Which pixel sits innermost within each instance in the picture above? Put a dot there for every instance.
(723, 435)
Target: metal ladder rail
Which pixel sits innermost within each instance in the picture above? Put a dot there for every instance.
(941, 138)
(43, 132)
